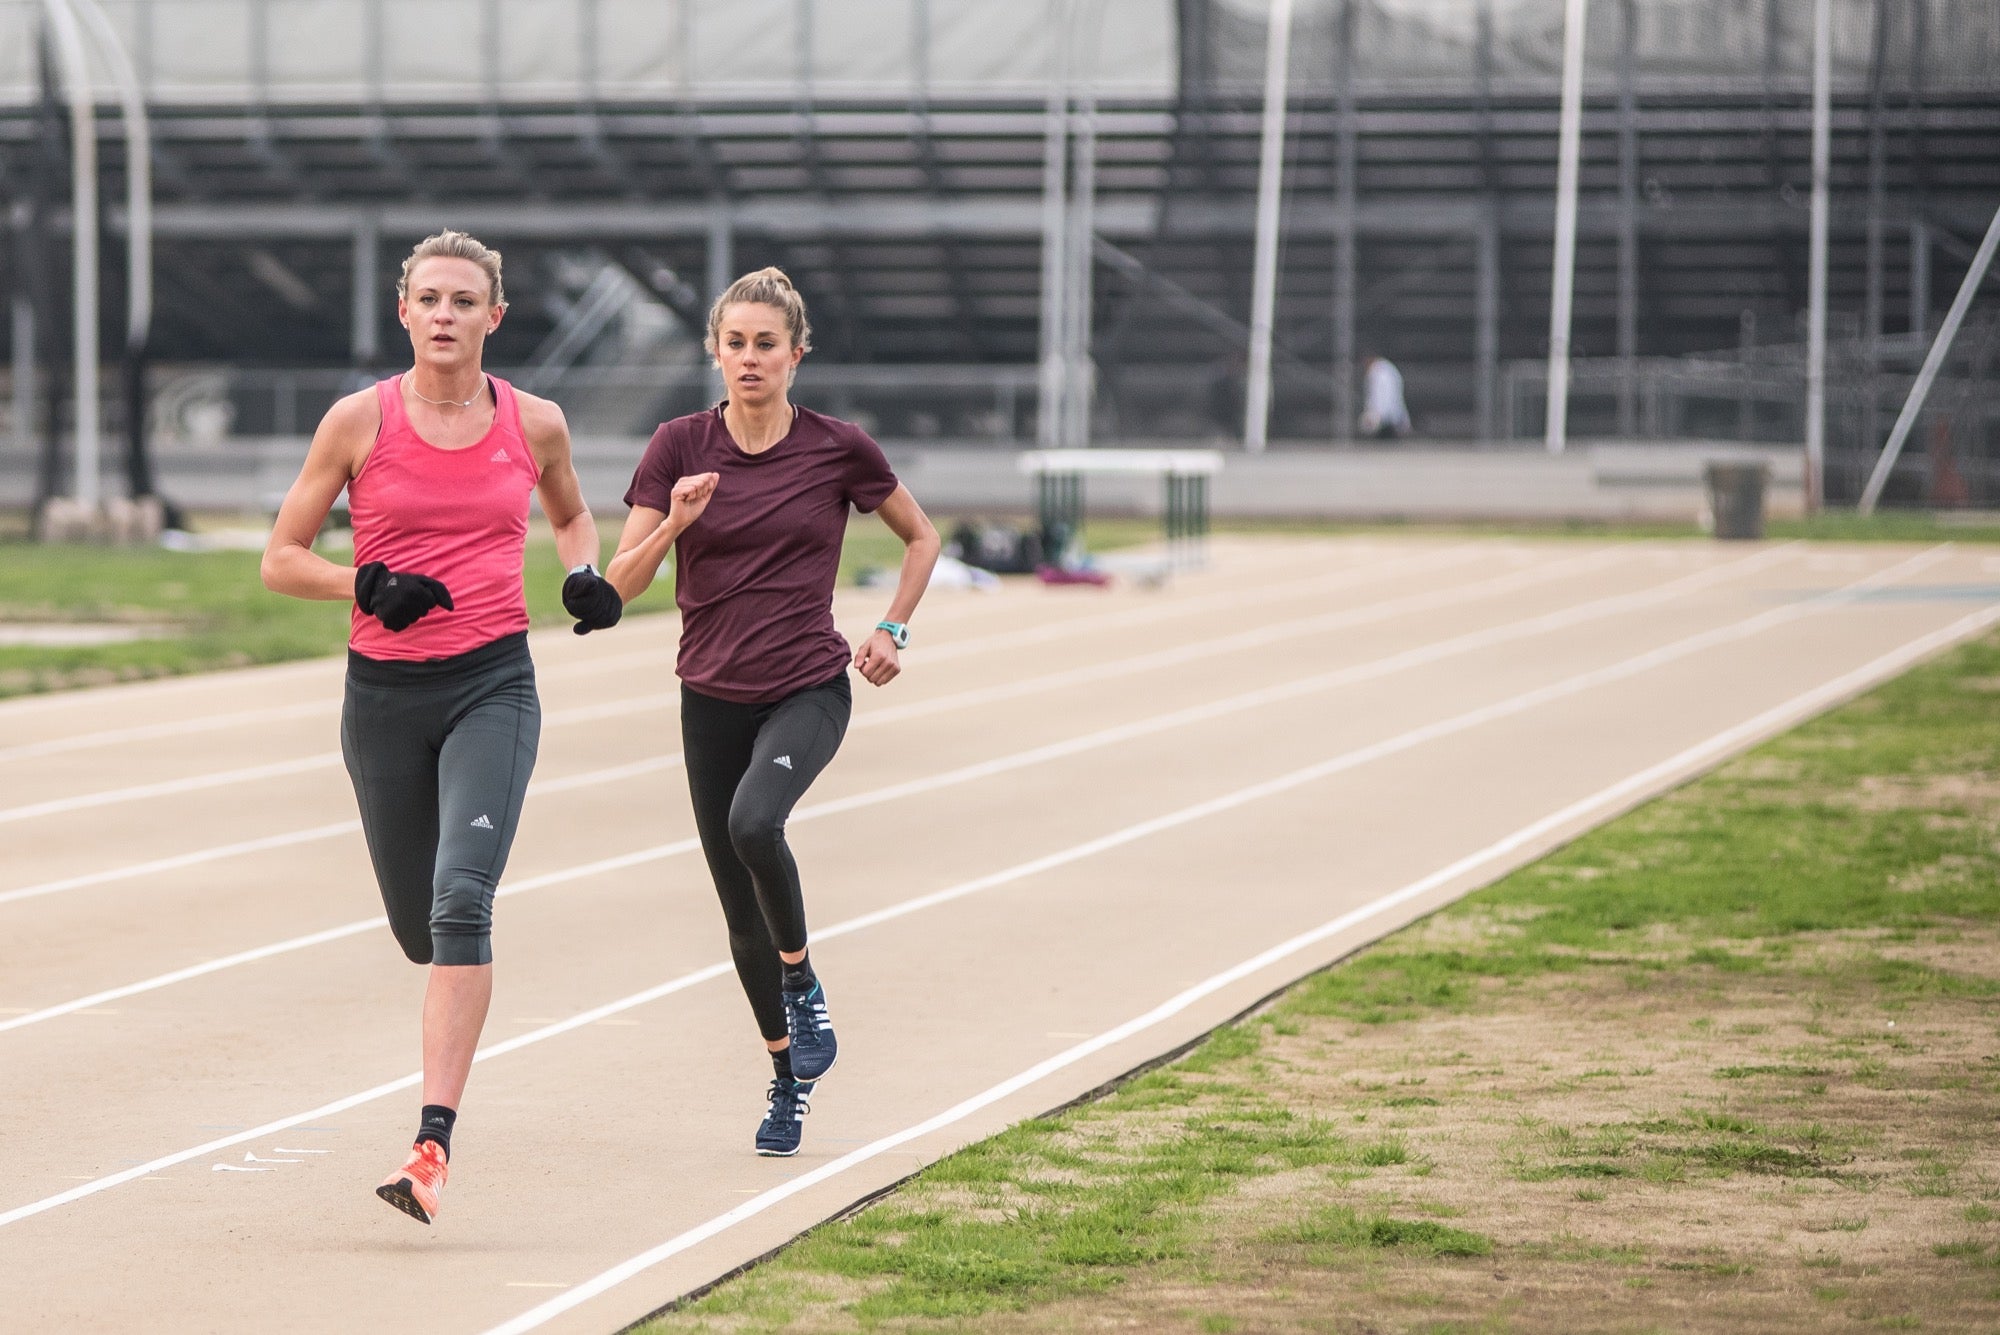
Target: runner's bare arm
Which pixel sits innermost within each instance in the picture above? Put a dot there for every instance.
(907, 520)
(877, 660)
(560, 492)
(649, 535)
(339, 447)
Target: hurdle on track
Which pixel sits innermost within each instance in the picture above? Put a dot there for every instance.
(1059, 490)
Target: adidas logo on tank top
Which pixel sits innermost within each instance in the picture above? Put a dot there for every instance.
(499, 457)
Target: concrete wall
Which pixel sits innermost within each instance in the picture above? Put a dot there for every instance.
(1606, 481)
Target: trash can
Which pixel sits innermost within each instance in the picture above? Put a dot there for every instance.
(1736, 497)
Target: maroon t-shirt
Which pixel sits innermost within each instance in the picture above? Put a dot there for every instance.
(754, 575)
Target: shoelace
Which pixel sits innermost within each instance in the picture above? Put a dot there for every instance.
(817, 1010)
(790, 1100)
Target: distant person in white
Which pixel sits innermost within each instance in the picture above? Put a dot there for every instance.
(1384, 414)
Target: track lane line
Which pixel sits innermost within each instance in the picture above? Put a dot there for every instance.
(1603, 804)
(835, 806)
(555, 718)
(1144, 829)
(983, 769)
(1361, 615)
(1060, 629)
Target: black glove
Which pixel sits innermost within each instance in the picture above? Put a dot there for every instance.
(591, 599)
(396, 598)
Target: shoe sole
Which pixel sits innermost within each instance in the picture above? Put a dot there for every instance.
(400, 1194)
(775, 1154)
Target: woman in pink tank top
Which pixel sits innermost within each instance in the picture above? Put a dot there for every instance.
(441, 720)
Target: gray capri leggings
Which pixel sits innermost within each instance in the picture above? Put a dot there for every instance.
(440, 754)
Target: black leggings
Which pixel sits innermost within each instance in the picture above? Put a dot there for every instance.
(440, 755)
(747, 767)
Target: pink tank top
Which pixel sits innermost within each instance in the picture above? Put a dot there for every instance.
(459, 516)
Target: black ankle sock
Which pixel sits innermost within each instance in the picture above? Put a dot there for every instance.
(797, 977)
(437, 1123)
(781, 1063)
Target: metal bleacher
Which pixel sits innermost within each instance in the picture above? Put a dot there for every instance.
(890, 154)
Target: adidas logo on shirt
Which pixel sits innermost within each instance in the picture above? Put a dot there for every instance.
(481, 823)
(786, 761)
(499, 457)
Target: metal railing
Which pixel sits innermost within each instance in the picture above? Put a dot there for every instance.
(1758, 395)
(198, 408)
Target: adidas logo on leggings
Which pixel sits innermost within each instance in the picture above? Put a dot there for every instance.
(786, 761)
(481, 823)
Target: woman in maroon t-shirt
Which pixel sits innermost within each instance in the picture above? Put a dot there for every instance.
(753, 496)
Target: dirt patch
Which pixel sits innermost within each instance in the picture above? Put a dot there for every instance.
(1800, 1140)
(1699, 1150)
(1940, 792)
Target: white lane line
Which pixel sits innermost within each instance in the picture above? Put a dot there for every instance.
(146, 732)
(1063, 630)
(170, 787)
(194, 971)
(195, 858)
(1232, 599)
(1130, 834)
(916, 787)
(95, 701)
(1363, 614)
(664, 699)
(1060, 629)
(1600, 805)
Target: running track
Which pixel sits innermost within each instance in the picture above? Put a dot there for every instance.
(1082, 829)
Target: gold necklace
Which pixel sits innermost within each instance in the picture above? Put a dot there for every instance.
(449, 403)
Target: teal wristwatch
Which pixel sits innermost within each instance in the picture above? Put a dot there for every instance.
(899, 633)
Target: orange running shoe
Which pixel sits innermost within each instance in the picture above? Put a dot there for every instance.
(414, 1188)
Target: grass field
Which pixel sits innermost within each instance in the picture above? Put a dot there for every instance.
(1727, 1064)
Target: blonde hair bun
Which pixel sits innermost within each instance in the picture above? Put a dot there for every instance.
(769, 286)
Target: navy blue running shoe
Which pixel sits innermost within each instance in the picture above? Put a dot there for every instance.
(813, 1045)
(779, 1134)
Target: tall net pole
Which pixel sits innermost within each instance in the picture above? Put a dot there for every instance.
(1270, 181)
(1822, 149)
(1569, 152)
(1055, 216)
(83, 212)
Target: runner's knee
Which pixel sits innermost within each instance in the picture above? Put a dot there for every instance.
(756, 834)
(461, 926)
(414, 936)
